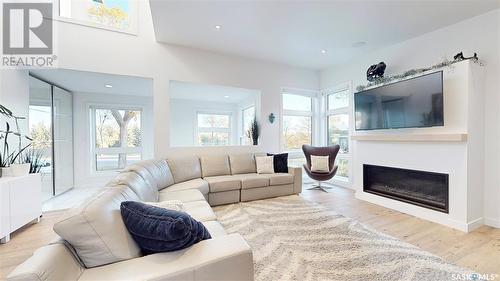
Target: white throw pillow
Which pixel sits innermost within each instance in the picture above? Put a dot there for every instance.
(320, 163)
(265, 164)
(175, 205)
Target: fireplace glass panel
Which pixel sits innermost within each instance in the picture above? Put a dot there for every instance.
(426, 189)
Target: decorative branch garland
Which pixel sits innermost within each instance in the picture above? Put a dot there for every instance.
(412, 72)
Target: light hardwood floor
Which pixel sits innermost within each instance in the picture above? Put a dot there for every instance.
(478, 250)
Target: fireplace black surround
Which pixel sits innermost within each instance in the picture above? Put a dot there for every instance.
(426, 189)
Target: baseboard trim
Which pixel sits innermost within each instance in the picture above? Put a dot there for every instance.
(475, 224)
(492, 222)
(420, 212)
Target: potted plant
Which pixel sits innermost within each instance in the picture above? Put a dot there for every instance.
(253, 132)
(11, 162)
(35, 159)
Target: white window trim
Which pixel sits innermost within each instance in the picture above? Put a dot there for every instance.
(314, 113)
(134, 19)
(337, 180)
(111, 150)
(199, 130)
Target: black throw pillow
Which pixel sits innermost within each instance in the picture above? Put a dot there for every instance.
(280, 162)
(159, 230)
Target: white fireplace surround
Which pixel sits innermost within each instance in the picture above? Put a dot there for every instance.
(457, 149)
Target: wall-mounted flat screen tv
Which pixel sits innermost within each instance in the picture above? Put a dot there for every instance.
(416, 102)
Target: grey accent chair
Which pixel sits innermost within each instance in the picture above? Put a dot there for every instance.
(330, 151)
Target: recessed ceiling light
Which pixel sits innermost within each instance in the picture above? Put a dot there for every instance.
(323, 51)
(218, 27)
(226, 97)
(359, 44)
(108, 86)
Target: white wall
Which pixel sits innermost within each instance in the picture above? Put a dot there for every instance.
(14, 94)
(479, 34)
(117, 53)
(84, 176)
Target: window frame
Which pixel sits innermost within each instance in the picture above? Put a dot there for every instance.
(199, 130)
(346, 86)
(313, 95)
(94, 151)
(134, 21)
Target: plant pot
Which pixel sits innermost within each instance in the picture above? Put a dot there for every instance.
(19, 170)
(5, 172)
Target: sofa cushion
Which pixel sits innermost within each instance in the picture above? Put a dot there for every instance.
(159, 230)
(242, 163)
(96, 230)
(200, 210)
(188, 195)
(253, 180)
(144, 189)
(223, 183)
(215, 228)
(217, 165)
(265, 164)
(184, 169)
(280, 162)
(198, 184)
(279, 178)
(159, 170)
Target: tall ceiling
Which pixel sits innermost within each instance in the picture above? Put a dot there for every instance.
(295, 32)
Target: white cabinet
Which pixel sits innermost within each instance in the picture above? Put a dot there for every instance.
(20, 203)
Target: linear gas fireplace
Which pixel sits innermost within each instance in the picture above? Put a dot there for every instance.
(426, 189)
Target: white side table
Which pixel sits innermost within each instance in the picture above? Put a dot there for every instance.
(20, 203)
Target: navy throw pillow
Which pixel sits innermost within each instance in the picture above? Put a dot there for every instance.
(159, 230)
(280, 162)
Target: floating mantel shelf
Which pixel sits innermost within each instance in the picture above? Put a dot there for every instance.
(412, 137)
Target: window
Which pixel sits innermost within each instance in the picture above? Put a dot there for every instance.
(111, 14)
(117, 138)
(248, 116)
(337, 131)
(297, 121)
(214, 129)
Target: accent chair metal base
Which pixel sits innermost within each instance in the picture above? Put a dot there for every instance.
(322, 187)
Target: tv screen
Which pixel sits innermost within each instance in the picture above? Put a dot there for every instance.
(417, 102)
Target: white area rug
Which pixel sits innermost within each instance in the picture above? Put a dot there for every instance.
(294, 239)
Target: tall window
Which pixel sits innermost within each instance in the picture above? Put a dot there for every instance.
(214, 129)
(112, 14)
(117, 137)
(337, 120)
(297, 121)
(247, 116)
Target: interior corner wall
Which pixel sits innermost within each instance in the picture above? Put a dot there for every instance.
(480, 34)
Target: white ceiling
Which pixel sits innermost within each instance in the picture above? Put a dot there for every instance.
(295, 32)
(211, 93)
(93, 82)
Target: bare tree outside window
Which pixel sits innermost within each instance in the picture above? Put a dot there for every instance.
(116, 128)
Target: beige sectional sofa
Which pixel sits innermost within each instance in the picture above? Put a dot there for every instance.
(94, 243)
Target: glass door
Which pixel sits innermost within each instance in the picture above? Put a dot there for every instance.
(63, 140)
(40, 126)
(51, 127)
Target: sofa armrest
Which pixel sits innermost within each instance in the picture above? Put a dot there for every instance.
(226, 257)
(297, 179)
(51, 262)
